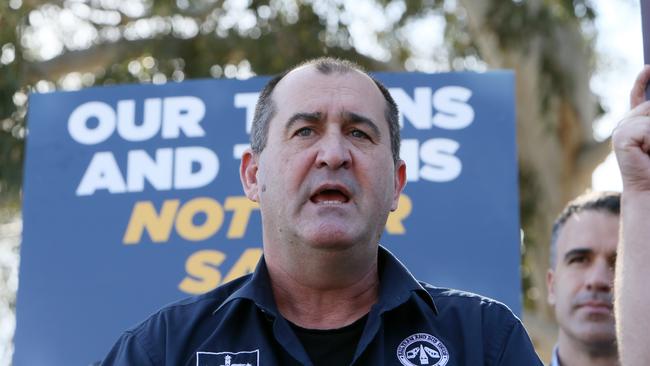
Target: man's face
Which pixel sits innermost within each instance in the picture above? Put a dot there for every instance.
(580, 286)
(326, 177)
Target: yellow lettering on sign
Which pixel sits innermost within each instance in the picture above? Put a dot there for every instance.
(214, 218)
(202, 271)
(242, 208)
(394, 224)
(245, 264)
(182, 217)
(144, 216)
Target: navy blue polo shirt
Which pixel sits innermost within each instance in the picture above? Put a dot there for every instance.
(412, 324)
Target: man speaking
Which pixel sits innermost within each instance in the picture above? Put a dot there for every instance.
(324, 167)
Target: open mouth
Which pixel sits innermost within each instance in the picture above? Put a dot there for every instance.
(330, 196)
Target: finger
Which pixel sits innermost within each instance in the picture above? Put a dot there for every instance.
(642, 109)
(634, 133)
(639, 115)
(637, 95)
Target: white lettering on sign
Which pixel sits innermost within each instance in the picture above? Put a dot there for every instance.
(448, 108)
(449, 102)
(102, 173)
(248, 101)
(439, 164)
(417, 110)
(77, 123)
(182, 113)
(453, 111)
(129, 129)
(433, 160)
(179, 114)
(141, 167)
(190, 167)
(185, 176)
(239, 149)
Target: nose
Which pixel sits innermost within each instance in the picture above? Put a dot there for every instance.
(333, 152)
(600, 277)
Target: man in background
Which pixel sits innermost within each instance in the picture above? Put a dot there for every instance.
(580, 280)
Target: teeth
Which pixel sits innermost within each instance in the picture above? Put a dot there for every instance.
(332, 202)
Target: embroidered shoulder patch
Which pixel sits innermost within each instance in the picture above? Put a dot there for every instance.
(244, 358)
(422, 349)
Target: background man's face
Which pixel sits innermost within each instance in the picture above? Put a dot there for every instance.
(580, 286)
(326, 176)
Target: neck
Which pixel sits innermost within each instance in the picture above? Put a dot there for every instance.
(324, 289)
(576, 353)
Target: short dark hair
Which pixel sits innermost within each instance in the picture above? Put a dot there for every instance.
(609, 202)
(265, 108)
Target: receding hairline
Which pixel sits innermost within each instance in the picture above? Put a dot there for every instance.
(266, 107)
(334, 72)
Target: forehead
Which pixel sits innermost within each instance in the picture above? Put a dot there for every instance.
(590, 229)
(306, 89)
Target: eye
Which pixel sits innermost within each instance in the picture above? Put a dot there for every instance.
(304, 132)
(577, 259)
(359, 134)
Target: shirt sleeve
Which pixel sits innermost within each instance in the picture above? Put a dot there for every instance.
(127, 351)
(517, 349)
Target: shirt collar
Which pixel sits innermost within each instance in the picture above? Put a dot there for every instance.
(256, 289)
(396, 286)
(555, 358)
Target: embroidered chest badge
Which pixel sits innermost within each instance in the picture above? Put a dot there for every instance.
(422, 349)
(246, 358)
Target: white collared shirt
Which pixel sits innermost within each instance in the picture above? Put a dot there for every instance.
(555, 358)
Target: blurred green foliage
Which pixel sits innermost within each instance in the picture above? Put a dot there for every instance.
(104, 41)
(70, 44)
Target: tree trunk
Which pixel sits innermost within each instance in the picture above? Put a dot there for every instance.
(555, 112)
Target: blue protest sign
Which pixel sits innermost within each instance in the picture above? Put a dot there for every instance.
(133, 200)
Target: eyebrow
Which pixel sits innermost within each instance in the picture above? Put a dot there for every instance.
(359, 119)
(577, 252)
(303, 116)
(348, 117)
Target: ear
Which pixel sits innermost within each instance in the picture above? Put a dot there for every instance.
(248, 175)
(550, 287)
(400, 182)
